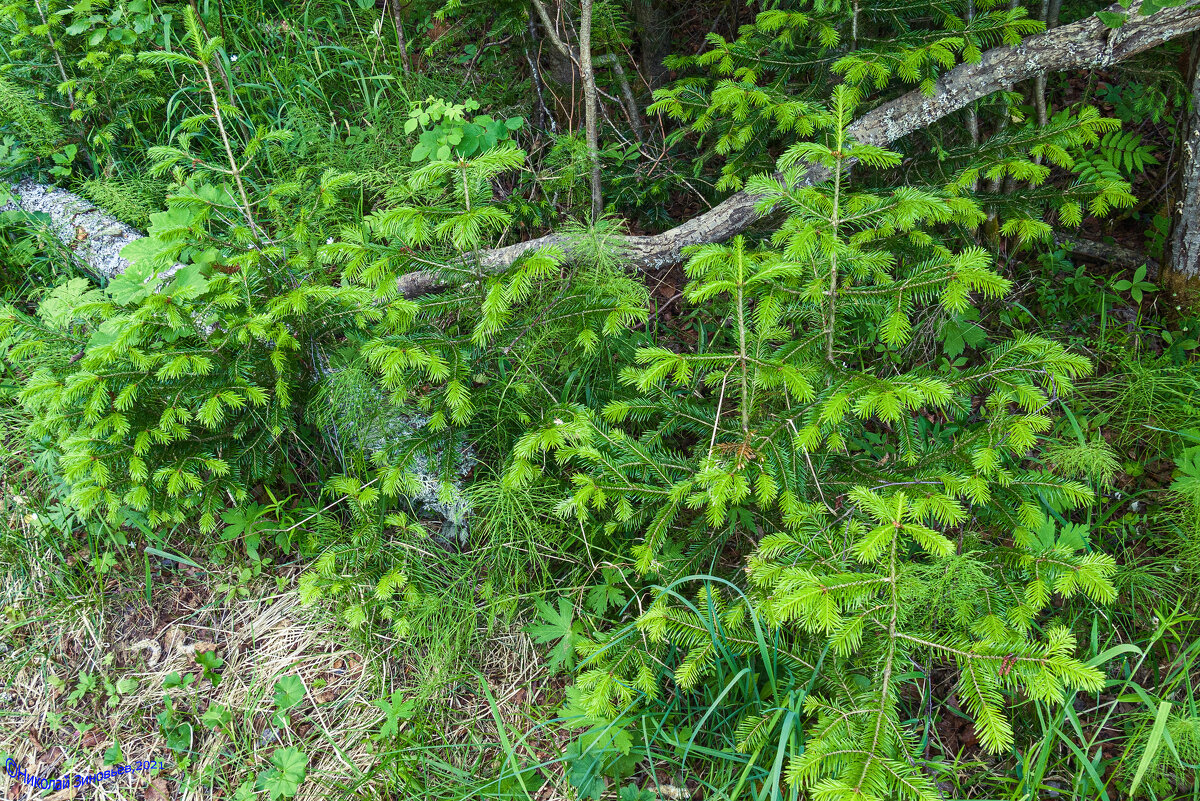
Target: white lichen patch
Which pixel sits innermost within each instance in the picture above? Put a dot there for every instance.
(362, 417)
(95, 236)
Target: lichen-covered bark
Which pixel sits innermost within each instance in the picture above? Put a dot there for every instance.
(96, 237)
(1085, 44)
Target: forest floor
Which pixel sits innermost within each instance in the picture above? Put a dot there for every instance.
(223, 666)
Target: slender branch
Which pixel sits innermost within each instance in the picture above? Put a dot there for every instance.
(608, 59)
(245, 129)
(237, 174)
(397, 21)
(834, 223)
(552, 33)
(631, 109)
(536, 76)
(740, 302)
(54, 49)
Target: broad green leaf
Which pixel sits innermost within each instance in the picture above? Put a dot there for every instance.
(559, 628)
(289, 691)
(283, 780)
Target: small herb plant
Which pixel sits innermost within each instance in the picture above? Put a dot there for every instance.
(446, 133)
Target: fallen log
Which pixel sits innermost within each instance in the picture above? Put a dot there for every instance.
(1086, 44)
(95, 236)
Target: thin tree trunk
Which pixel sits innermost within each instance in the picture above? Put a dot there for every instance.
(655, 37)
(394, 7)
(1050, 11)
(972, 111)
(1039, 83)
(631, 109)
(608, 59)
(54, 49)
(1185, 233)
(590, 102)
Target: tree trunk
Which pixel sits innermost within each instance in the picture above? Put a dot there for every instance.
(590, 101)
(655, 37)
(397, 20)
(631, 108)
(1185, 232)
(1086, 44)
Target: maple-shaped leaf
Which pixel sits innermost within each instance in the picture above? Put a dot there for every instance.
(1187, 480)
(602, 596)
(216, 716)
(241, 521)
(395, 709)
(289, 691)
(558, 628)
(188, 282)
(138, 281)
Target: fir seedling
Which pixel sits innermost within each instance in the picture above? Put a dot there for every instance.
(859, 484)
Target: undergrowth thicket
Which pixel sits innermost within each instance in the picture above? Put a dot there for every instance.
(889, 496)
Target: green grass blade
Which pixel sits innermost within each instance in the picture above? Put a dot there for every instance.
(502, 731)
(173, 557)
(1156, 734)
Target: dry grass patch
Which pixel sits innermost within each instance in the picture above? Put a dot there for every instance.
(80, 679)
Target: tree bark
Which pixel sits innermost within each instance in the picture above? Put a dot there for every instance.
(1114, 255)
(96, 238)
(397, 20)
(631, 109)
(1086, 44)
(1185, 230)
